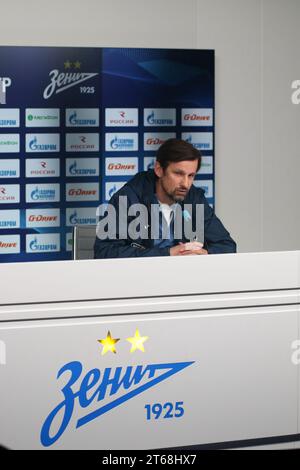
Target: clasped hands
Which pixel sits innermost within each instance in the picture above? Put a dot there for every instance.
(189, 248)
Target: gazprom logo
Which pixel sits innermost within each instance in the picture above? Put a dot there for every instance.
(200, 140)
(9, 168)
(36, 246)
(111, 388)
(43, 243)
(35, 146)
(112, 187)
(42, 143)
(160, 117)
(149, 163)
(9, 219)
(74, 218)
(121, 142)
(38, 194)
(42, 193)
(10, 117)
(118, 143)
(82, 167)
(84, 117)
(206, 185)
(81, 216)
(112, 190)
(73, 119)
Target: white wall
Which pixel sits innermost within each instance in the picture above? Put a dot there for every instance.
(255, 42)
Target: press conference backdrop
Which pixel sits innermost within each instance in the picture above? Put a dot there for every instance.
(77, 123)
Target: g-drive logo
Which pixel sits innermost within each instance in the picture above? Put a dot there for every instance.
(118, 384)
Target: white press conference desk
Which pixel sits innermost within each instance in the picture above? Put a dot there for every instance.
(216, 359)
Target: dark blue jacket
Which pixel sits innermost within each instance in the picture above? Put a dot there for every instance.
(141, 189)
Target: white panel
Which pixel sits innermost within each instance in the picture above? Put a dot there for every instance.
(190, 275)
(231, 390)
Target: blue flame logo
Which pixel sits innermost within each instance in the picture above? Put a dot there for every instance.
(35, 194)
(114, 143)
(73, 218)
(32, 144)
(150, 165)
(72, 168)
(112, 190)
(33, 244)
(73, 118)
(150, 118)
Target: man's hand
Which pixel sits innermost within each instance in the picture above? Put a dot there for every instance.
(194, 252)
(190, 248)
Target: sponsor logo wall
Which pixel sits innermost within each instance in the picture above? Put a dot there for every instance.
(80, 123)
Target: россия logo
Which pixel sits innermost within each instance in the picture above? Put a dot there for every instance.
(118, 384)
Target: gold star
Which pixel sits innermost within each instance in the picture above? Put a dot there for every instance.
(137, 342)
(108, 344)
(67, 64)
(77, 64)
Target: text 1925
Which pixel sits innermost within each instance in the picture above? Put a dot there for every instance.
(166, 411)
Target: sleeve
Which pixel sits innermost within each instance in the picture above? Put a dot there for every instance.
(216, 238)
(124, 247)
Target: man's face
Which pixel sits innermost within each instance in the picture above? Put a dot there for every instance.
(175, 181)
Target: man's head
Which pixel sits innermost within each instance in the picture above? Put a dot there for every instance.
(177, 163)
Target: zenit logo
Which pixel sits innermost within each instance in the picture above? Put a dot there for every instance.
(61, 81)
(5, 82)
(110, 387)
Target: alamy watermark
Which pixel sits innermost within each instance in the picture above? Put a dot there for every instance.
(2, 353)
(5, 82)
(138, 221)
(295, 358)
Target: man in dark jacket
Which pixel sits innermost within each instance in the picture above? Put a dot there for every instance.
(170, 188)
